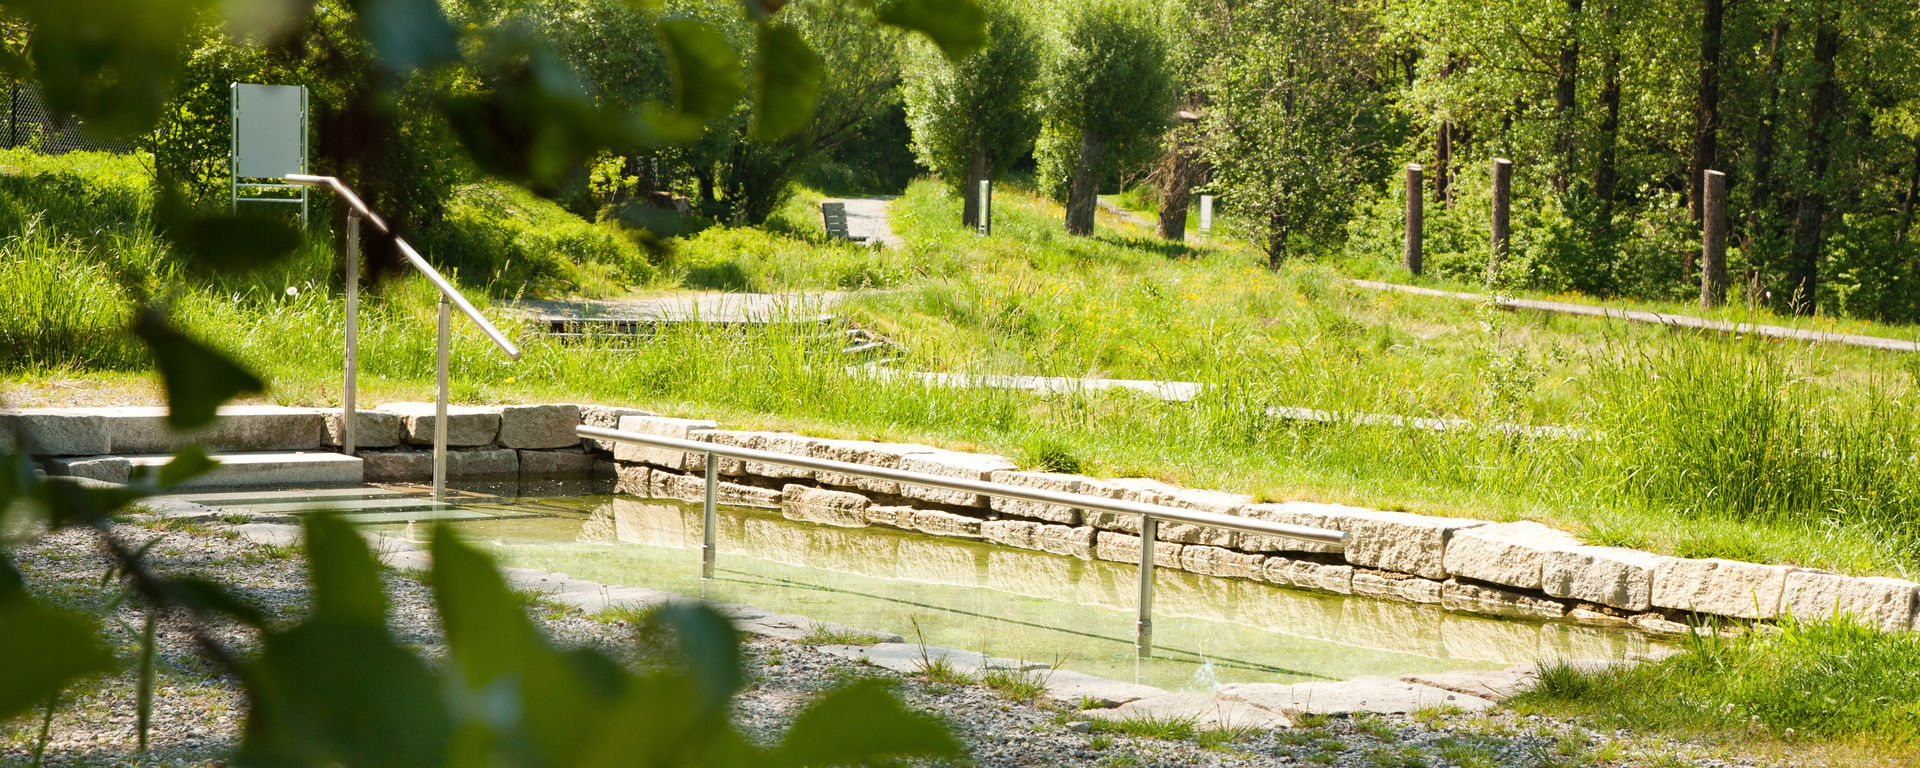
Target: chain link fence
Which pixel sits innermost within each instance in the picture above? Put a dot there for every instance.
(27, 124)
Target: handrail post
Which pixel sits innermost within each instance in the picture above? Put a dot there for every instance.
(1143, 626)
(440, 354)
(348, 396)
(709, 518)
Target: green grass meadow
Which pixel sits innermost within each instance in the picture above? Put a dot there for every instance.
(1687, 443)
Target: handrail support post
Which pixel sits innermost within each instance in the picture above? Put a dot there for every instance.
(709, 518)
(1143, 626)
(442, 349)
(348, 406)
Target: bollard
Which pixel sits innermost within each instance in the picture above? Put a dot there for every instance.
(986, 206)
(1415, 219)
(1206, 217)
(1713, 240)
(1502, 206)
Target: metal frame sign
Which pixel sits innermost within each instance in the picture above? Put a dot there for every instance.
(269, 141)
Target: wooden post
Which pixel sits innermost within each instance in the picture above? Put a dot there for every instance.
(1502, 205)
(1415, 218)
(1713, 240)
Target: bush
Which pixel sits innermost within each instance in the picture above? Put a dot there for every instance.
(511, 242)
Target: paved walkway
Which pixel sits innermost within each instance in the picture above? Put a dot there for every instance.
(867, 217)
(701, 307)
(1656, 318)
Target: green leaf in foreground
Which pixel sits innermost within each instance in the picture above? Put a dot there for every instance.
(45, 648)
(197, 378)
(333, 692)
(859, 723)
(707, 75)
(959, 27)
(789, 76)
(346, 579)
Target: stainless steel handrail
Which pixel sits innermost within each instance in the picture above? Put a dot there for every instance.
(1150, 514)
(449, 297)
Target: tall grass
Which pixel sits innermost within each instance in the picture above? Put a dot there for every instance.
(1813, 683)
(1694, 445)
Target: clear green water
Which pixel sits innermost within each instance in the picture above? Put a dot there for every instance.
(1072, 613)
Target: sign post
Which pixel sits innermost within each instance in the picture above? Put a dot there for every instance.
(269, 141)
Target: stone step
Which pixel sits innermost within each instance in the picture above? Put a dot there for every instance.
(284, 469)
(264, 496)
(143, 429)
(340, 505)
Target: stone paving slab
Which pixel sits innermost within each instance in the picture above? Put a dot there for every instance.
(1492, 684)
(1206, 712)
(1072, 689)
(1378, 695)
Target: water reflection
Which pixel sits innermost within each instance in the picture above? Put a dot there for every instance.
(1029, 604)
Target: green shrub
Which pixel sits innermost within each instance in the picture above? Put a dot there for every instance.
(511, 241)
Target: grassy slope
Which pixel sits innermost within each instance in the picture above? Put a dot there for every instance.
(1787, 453)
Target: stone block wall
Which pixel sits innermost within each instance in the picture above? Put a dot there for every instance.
(1506, 569)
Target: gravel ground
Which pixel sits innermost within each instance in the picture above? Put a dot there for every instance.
(198, 712)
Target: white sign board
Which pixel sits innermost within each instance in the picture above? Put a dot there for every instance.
(269, 130)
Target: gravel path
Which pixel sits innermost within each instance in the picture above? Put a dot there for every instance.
(198, 711)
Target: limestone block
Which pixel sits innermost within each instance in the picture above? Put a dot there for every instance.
(1203, 710)
(780, 442)
(1200, 500)
(1135, 489)
(539, 426)
(696, 463)
(1222, 562)
(967, 466)
(55, 431)
(1512, 554)
(806, 495)
(1396, 586)
(404, 465)
(1012, 533)
(894, 517)
(633, 480)
(540, 464)
(1067, 540)
(481, 463)
(604, 417)
(238, 428)
(106, 469)
(1720, 587)
(1337, 579)
(1068, 688)
(1493, 601)
(1313, 515)
(1048, 481)
(1615, 576)
(693, 488)
(685, 429)
(371, 429)
(1879, 601)
(1378, 695)
(946, 523)
(467, 425)
(872, 454)
(1124, 548)
(818, 505)
(1402, 542)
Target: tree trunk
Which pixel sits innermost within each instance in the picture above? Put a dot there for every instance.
(1706, 104)
(1605, 166)
(1443, 162)
(1083, 196)
(1565, 91)
(1810, 212)
(1913, 191)
(977, 169)
(1763, 200)
(1176, 189)
(1276, 240)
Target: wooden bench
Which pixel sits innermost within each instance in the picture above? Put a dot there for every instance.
(834, 217)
